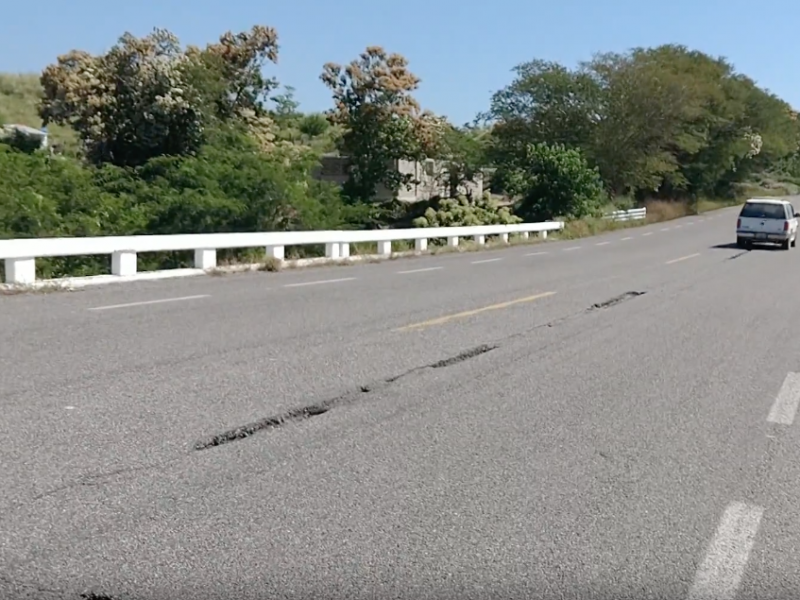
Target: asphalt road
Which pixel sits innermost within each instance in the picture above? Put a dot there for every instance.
(606, 418)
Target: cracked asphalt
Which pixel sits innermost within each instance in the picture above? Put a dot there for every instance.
(577, 419)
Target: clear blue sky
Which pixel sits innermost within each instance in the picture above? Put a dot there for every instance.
(463, 51)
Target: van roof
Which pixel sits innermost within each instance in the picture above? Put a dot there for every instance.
(767, 201)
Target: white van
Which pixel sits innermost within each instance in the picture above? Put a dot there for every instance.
(767, 221)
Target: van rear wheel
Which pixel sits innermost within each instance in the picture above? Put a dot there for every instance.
(786, 245)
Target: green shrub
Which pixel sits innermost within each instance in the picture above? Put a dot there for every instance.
(557, 182)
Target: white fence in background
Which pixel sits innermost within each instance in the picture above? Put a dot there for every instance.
(20, 254)
(635, 214)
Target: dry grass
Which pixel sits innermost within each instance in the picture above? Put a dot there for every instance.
(270, 264)
(365, 253)
(657, 212)
(41, 288)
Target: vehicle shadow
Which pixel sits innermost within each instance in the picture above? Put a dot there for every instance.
(733, 246)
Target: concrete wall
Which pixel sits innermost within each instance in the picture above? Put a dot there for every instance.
(429, 179)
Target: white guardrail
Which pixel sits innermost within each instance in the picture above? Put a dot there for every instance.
(20, 254)
(635, 214)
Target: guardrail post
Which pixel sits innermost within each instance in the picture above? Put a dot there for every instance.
(421, 244)
(123, 263)
(332, 250)
(504, 237)
(525, 235)
(385, 248)
(20, 270)
(276, 252)
(344, 250)
(452, 241)
(479, 239)
(543, 235)
(205, 258)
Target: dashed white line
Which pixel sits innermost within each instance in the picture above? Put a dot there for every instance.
(148, 302)
(625, 239)
(425, 270)
(535, 253)
(573, 248)
(664, 229)
(678, 226)
(648, 233)
(321, 282)
(721, 571)
(682, 258)
(602, 243)
(488, 260)
(690, 223)
(784, 409)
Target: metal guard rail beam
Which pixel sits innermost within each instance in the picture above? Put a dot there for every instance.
(20, 254)
(635, 214)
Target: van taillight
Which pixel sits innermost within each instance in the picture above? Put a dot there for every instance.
(786, 225)
(738, 223)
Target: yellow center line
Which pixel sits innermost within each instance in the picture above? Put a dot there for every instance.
(469, 313)
(669, 262)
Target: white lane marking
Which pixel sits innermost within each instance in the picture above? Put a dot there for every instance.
(573, 248)
(419, 270)
(148, 302)
(488, 260)
(690, 223)
(678, 226)
(625, 239)
(671, 262)
(784, 409)
(535, 253)
(69, 408)
(602, 244)
(665, 229)
(321, 282)
(721, 571)
(648, 233)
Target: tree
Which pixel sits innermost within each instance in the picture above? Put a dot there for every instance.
(647, 122)
(546, 103)
(464, 152)
(382, 121)
(285, 104)
(557, 181)
(664, 121)
(147, 97)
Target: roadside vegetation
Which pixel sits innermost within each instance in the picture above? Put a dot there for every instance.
(156, 138)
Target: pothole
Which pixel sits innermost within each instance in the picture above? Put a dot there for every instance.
(477, 351)
(245, 431)
(615, 300)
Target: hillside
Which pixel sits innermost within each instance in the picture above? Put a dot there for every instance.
(19, 96)
(20, 93)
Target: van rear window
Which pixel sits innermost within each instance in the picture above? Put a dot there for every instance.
(759, 210)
